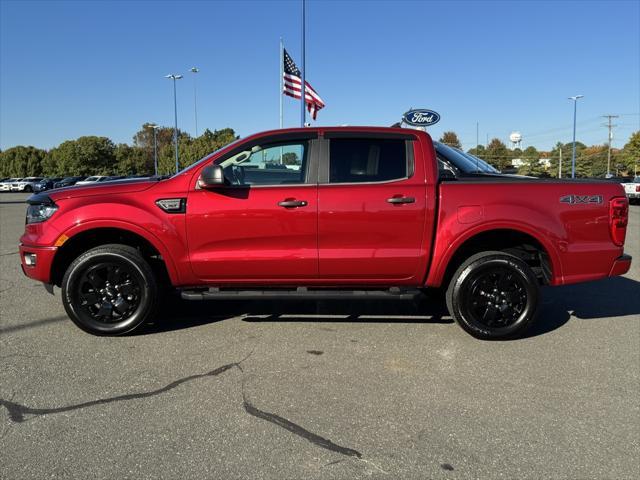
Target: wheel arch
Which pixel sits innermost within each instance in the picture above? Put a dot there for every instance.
(92, 234)
(519, 240)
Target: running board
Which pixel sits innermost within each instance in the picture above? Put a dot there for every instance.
(393, 293)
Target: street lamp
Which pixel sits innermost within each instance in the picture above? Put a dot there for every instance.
(573, 154)
(155, 147)
(175, 77)
(195, 70)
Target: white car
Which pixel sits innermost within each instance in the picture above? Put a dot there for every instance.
(94, 179)
(6, 185)
(632, 189)
(25, 185)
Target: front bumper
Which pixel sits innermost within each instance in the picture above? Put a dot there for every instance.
(633, 195)
(621, 265)
(41, 271)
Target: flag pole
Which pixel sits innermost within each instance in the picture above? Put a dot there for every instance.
(281, 81)
(303, 98)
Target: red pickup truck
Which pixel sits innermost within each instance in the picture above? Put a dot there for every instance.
(345, 212)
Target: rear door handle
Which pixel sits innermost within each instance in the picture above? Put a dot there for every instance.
(292, 203)
(396, 200)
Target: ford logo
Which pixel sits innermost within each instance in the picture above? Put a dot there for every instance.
(421, 118)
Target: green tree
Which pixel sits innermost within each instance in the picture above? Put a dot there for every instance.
(21, 162)
(84, 156)
(498, 155)
(592, 161)
(479, 152)
(290, 158)
(554, 157)
(451, 139)
(132, 160)
(630, 154)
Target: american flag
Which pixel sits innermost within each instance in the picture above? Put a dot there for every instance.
(293, 87)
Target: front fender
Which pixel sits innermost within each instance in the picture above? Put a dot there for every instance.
(135, 214)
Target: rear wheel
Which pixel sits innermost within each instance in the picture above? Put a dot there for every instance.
(494, 295)
(109, 290)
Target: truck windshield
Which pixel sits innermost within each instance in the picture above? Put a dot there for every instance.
(464, 162)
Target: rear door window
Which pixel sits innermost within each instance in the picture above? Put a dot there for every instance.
(366, 160)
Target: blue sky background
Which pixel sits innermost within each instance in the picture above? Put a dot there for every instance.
(77, 68)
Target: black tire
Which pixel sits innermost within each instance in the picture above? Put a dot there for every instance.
(28, 189)
(494, 296)
(110, 290)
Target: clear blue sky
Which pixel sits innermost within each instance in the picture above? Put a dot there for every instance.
(77, 68)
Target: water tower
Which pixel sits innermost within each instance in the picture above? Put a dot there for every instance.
(516, 140)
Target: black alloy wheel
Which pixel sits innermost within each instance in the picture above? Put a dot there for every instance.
(109, 290)
(494, 295)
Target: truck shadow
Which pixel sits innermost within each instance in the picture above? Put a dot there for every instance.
(612, 297)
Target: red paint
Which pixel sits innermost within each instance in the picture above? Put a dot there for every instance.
(345, 234)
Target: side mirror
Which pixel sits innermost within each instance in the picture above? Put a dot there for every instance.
(211, 176)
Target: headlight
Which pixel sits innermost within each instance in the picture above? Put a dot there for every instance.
(40, 213)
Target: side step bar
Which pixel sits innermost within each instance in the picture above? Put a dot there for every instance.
(394, 293)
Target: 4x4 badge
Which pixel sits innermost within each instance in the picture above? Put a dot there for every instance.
(576, 199)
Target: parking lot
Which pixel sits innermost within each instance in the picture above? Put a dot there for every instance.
(319, 389)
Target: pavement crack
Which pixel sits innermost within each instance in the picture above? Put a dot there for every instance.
(293, 427)
(18, 412)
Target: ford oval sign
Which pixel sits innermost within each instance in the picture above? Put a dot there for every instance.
(421, 118)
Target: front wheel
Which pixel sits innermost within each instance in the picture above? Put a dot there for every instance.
(493, 296)
(109, 290)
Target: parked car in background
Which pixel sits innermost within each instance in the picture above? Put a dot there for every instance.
(67, 182)
(93, 179)
(114, 177)
(25, 185)
(6, 185)
(46, 184)
(632, 190)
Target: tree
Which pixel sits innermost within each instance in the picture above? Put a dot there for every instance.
(21, 162)
(479, 152)
(592, 161)
(566, 149)
(290, 158)
(132, 160)
(498, 155)
(451, 139)
(630, 154)
(84, 156)
(532, 166)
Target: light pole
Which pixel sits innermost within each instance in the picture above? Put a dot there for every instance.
(175, 77)
(195, 70)
(155, 147)
(573, 153)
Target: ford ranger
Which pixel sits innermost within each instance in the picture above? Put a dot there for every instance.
(344, 212)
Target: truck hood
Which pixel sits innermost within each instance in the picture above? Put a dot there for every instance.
(108, 188)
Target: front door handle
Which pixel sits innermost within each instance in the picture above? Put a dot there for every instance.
(397, 200)
(292, 203)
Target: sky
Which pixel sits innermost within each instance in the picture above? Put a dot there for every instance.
(75, 68)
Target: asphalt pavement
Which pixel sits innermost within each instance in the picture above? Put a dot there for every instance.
(319, 390)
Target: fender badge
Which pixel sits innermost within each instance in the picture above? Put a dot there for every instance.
(584, 199)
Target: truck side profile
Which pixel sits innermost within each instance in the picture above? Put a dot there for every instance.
(343, 212)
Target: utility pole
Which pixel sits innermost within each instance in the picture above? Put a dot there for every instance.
(560, 164)
(609, 117)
